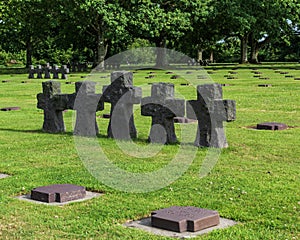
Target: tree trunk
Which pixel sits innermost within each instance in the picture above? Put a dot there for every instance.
(211, 57)
(28, 54)
(101, 52)
(254, 52)
(161, 53)
(200, 55)
(256, 46)
(244, 49)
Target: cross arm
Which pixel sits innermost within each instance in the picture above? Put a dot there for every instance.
(169, 108)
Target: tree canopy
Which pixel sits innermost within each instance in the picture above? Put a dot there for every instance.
(92, 30)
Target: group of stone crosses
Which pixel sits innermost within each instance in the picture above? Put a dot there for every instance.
(47, 70)
(209, 109)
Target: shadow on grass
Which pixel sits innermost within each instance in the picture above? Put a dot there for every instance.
(13, 70)
(141, 141)
(34, 131)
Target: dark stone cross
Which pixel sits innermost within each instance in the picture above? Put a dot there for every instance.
(121, 94)
(47, 71)
(64, 70)
(211, 111)
(39, 70)
(32, 71)
(162, 107)
(53, 103)
(87, 103)
(55, 70)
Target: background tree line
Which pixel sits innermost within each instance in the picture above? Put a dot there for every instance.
(61, 31)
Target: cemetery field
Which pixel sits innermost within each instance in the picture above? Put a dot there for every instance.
(255, 181)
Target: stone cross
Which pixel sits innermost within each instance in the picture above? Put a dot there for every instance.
(121, 94)
(47, 71)
(64, 70)
(55, 71)
(211, 111)
(53, 103)
(39, 71)
(162, 107)
(87, 103)
(32, 71)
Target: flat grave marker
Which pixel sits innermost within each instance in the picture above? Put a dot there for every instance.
(150, 76)
(202, 77)
(3, 175)
(61, 196)
(175, 77)
(58, 193)
(271, 126)
(106, 115)
(257, 73)
(146, 225)
(10, 108)
(232, 77)
(182, 219)
(183, 120)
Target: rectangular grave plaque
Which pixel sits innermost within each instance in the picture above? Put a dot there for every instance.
(58, 193)
(182, 219)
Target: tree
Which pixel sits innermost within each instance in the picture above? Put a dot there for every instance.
(234, 19)
(99, 23)
(25, 24)
(163, 22)
(255, 22)
(205, 33)
(273, 23)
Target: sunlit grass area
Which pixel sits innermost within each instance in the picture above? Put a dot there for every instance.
(254, 182)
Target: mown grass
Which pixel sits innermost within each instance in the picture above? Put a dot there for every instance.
(255, 181)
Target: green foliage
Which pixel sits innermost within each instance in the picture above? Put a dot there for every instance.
(135, 55)
(62, 30)
(227, 51)
(8, 58)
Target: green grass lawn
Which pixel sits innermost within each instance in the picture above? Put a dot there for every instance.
(255, 181)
